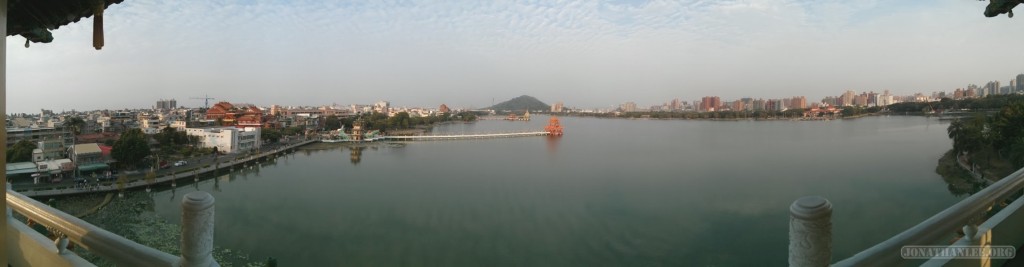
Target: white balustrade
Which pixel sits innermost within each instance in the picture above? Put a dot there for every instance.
(196, 245)
(808, 232)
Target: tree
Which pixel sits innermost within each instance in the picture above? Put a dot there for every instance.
(75, 124)
(122, 180)
(332, 123)
(21, 151)
(150, 177)
(270, 135)
(131, 148)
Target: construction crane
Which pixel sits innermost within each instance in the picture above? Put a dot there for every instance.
(205, 98)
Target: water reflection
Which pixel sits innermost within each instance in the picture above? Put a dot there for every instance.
(356, 154)
(553, 144)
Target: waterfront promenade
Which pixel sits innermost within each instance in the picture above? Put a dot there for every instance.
(221, 163)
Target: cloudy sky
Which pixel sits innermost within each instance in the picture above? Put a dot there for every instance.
(466, 53)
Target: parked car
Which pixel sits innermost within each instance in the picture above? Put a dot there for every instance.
(180, 163)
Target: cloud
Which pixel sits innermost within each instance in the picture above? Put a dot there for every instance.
(585, 53)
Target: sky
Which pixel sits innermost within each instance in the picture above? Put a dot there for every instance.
(470, 54)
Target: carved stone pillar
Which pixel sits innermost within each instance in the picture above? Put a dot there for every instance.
(197, 230)
(810, 232)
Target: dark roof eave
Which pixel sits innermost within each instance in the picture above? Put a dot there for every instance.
(34, 19)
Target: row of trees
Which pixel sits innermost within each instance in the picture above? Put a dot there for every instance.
(761, 114)
(1000, 135)
(991, 102)
(271, 135)
(401, 120)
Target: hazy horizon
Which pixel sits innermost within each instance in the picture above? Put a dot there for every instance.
(585, 54)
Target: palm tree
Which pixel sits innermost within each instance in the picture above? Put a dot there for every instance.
(150, 178)
(75, 124)
(121, 181)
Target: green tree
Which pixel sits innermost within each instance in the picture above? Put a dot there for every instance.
(122, 181)
(131, 148)
(270, 135)
(1007, 127)
(332, 123)
(21, 151)
(75, 124)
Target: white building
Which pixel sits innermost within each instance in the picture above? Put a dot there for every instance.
(228, 139)
(382, 107)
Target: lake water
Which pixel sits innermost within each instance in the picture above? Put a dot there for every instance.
(610, 192)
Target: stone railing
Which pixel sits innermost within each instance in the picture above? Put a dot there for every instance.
(810, 231)
(26, 247)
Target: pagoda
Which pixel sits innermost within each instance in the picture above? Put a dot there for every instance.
(357, 130)
(553, 128)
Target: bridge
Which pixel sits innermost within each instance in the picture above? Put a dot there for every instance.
(462, 136)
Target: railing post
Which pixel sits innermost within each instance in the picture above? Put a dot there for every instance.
(197, 230)
(6, 207)
(810, 232)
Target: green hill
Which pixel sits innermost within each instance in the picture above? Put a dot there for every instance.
(523, 102)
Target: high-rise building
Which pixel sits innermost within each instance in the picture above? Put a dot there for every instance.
(748, 103)
(758, 105)
(860, 100)
(275, 110)
(847, 98)
(557, 107)
(710, 103)
(992, 88)
(166, 104)
(775, 105)
(830, 101)
(676, 104)
(737, 105)
(1020, 83)
(628, 107)
(798, 102)
(382, 107)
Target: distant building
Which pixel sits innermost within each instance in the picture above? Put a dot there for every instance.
(444, 109)
(275, 110)
(737, 105)
(166, 104)
(38, 134)
(557, 107)
(231, 115)
(798, 102)
(710, 103)
(847, 98)
(1020, 83)
(628, 107)
(860, 100)
(228, 139)
(758, 105)
(382, 107)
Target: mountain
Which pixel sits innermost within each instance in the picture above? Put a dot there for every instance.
(523, 102)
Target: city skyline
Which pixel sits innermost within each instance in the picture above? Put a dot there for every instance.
(587, 54)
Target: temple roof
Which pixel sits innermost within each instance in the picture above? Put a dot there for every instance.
(34, 19)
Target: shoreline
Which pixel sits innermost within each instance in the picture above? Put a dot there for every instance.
(733, 119)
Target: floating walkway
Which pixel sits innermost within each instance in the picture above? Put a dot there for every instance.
(461, 136)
